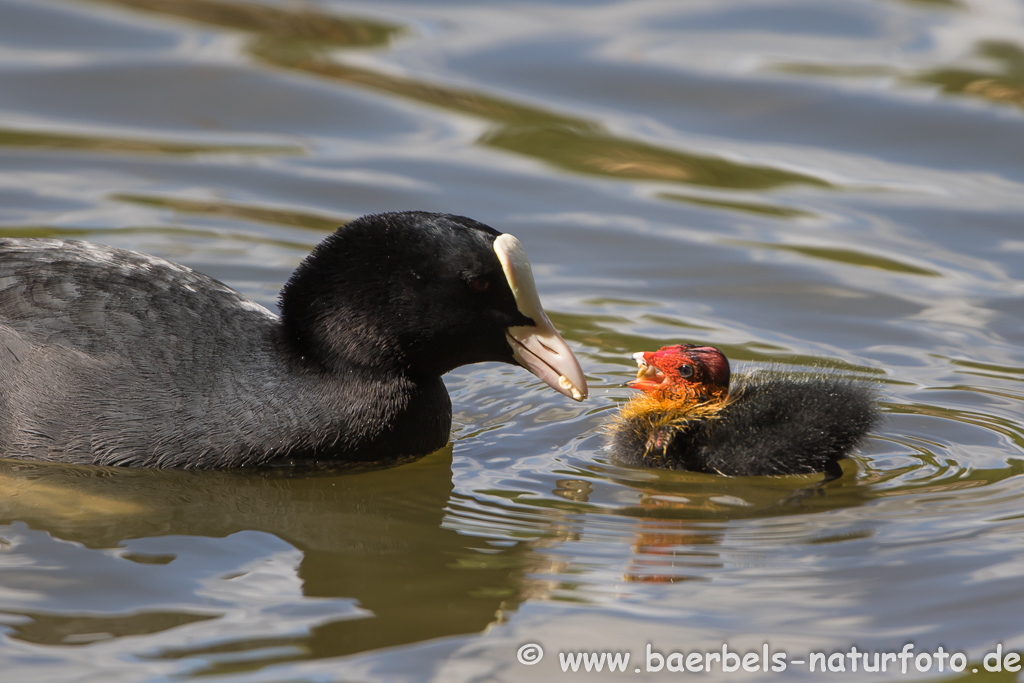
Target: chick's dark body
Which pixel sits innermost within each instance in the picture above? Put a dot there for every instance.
(770, 425)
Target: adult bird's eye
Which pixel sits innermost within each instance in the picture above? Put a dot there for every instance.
(686, 371)
(480, 284)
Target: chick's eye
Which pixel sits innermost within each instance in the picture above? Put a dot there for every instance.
(480, 284)
(686, 371)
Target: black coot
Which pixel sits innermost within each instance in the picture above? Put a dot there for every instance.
(112, 357)
(690, 416)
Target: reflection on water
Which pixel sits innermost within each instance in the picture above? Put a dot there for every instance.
(109, 145)
(298, 219)
(1004, 83)
(1000, 80)
(583, 148)
(343, 547)
(303, 41)
(752, 207)
(298, 25)
(849, 256)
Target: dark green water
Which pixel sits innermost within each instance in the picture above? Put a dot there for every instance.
(797, 182)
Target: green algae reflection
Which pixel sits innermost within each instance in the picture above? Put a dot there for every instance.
(1004, 85)
(297, 219)
(305, 40)
(114, 145)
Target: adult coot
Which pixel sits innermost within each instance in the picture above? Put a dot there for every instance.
(112, 357)
(689, 417)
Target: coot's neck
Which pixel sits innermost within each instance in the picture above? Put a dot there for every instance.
(323, 330)
(349, 364)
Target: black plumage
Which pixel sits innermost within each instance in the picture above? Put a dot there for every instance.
(112, 357)
(768, 423)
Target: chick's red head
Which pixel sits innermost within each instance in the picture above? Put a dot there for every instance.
(683, 371)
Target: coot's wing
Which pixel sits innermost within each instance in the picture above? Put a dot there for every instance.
(101, 299)
(109, 356)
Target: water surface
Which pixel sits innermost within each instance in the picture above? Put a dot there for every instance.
(802, 183)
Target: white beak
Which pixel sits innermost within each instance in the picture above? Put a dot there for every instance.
(538, 348)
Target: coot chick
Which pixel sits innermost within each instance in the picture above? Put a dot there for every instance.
(689, 417)
(111, 357)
